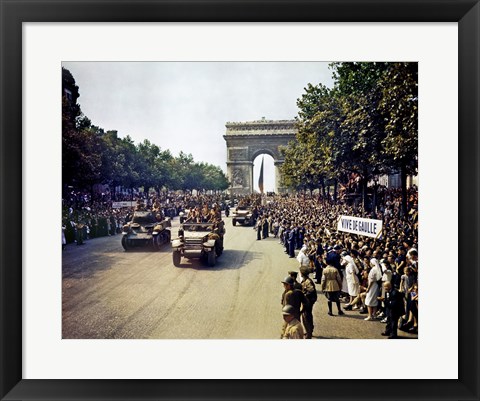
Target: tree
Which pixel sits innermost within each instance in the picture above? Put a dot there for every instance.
(366, 124)
(363, 127)
(90, 155)
(399, 104)
(80, 158)
(146, 164)
(310, 160)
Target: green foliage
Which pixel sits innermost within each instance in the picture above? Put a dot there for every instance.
(366, 124)
(91, 156)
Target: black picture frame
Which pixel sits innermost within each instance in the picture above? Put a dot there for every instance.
(14, 13)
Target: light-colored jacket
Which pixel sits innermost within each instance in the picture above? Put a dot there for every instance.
(331, 280)
(293, 331)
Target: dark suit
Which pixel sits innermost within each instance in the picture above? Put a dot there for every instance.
(292, 236)
(394, 308)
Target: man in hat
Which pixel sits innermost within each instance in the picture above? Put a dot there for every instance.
(292, 329)
(331, 284)
(393, 301)
(310, 292)
(296, 284)
(292, 296)
(292, 239)
(333, 258)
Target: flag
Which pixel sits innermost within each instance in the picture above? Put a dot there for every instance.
(260, 179)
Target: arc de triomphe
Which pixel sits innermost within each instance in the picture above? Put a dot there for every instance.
(246, 141)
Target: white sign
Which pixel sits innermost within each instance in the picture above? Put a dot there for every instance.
(117, 205)
(359, 225)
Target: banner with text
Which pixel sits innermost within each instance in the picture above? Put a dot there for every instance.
(361, 226)
(117, 205)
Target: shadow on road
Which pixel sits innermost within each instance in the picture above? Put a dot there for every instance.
(86, 266)
(231, 259)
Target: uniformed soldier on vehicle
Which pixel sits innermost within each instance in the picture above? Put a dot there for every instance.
(140, 205)
(156, 207)
(293, 329)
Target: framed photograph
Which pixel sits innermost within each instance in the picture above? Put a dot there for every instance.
(48, 352)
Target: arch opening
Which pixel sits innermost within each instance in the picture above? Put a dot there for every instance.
(268, 172)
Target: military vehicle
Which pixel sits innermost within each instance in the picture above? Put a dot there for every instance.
(199, 240)
(146, 229)
(243, 215)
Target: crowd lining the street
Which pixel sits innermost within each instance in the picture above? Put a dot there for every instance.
(377, 277)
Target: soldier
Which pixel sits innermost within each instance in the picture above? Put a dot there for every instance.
(156, 207)
(79, 232)
(259, 229)
(113, 225)
(204, 214)
(310, 292)
(296, 284)
(140, 205)
(264, 227)
(292, 296)
(293, 329)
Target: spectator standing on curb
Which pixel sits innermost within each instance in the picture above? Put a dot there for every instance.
(310, 292)
(64, 240)
(393, 301)
(292, 329)
(302, 257)
(296, 284)
(259, 229)
(265, 227)
(374, 276)
(293, 296)
(331, 284)
(351, 275)
(291, 242)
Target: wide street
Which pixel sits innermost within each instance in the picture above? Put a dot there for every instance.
(110, 293)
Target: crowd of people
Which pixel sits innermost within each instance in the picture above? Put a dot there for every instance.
(377, 277)
(86, 216)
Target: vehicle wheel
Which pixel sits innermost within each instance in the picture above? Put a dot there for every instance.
(124, 243)
(218, 249)
(211, 258)
(234, 222)
(177, 257)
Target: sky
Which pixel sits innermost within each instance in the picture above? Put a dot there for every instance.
(184, 106)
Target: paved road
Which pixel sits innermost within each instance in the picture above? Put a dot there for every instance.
(109, 293)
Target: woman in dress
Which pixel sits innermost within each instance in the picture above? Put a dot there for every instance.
(351, 277)
(374, 276)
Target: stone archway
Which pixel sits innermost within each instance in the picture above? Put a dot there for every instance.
(246, 140)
